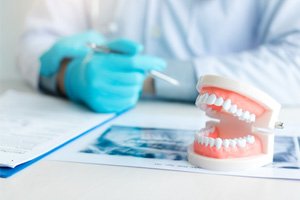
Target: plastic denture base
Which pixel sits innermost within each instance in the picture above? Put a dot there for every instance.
(230, 143)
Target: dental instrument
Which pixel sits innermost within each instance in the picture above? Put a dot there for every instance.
(153, 73)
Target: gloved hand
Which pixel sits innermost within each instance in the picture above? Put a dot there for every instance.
(67, 47)
(108, 82)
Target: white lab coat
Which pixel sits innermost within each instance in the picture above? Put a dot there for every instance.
(255, 41)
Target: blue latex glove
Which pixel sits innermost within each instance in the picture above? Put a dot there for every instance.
(110, 82)
(107, 82)
(67, 47)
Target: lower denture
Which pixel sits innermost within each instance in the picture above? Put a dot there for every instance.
(227, 152)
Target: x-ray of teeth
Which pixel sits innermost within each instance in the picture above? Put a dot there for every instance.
(143, 142)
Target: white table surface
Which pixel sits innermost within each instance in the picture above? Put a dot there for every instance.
(64, 180)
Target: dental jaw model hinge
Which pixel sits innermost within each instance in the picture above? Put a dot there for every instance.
(233, 142)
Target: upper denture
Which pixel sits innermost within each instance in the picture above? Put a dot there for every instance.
(241, 101)
(220, 100)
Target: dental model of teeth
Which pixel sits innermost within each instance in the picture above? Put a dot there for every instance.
(227, 105)
(240, 142)
(231, 142)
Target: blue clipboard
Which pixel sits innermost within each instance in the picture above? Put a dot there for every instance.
(6, 172)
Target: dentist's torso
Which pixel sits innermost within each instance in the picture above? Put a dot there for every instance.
(181, 29)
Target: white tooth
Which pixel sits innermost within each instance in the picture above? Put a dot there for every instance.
(239, 112)
(233, 109)
(211, 142)
(197, 103)
(226, 143)
(206, 141)
(200, 97)
(199, 139)
(248, 120)
(211, 99)
(246, 115)
(218, 143)
(232, 143)
(252, 117)
(241, 143)
(227, 104)
(204, 98)
(219, 101)
(202, 140)
(250, 139)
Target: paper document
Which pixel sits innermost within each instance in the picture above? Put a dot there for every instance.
(133, 141)
(33, 124)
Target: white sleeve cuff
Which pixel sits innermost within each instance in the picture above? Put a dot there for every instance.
(184, 72)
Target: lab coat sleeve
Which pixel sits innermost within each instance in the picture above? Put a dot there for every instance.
(184, 72)
(48, 21)
(273, 66)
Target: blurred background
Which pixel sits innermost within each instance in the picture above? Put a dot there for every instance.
(12, 15)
